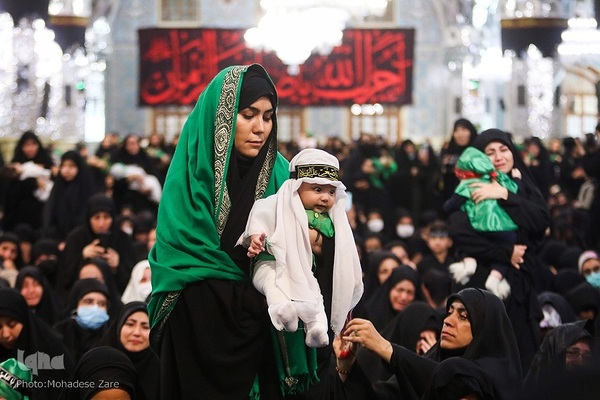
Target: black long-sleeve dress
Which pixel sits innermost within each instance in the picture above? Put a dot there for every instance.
(529, 211)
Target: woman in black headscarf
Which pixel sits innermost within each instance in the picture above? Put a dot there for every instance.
(130, 334)
(38, 293)
(529, 211)
(398, 291)
(30, 340)
(463, 135)
(99, 236)
(209, 324)
(131, 153)
(21, 204)
(381, 263)
(73, 186)
(99, 269)
(476, 328)
(103, 369)
(89, 319)
(560, 362)
(537, 159)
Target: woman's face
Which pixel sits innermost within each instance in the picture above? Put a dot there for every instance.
(253, 127)
(32, 291)
(101, 222)
(402, 295)
(10, 330)
(385, 269)
(135, 333)
(456, 331)
(461, 136)
(8, 251)
(578, 354)
(401, 253)
(30, 148)
(132, 145)
(68, 170)
(500, 156)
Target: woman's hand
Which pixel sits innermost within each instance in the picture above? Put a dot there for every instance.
(345, 355)
(93, 249)
(426, 340)
(362, 331)
(517, 256)
(484, 191)
(111, 257)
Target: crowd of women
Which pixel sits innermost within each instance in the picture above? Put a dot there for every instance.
(90, 263)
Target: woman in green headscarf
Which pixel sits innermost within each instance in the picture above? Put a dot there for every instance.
(209, 324)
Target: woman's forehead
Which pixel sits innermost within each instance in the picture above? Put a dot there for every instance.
(457, 305)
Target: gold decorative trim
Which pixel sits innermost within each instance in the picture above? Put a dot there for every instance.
(522, 23)
(165, 308)
(224, 128)
(315, 171)
(68, 20)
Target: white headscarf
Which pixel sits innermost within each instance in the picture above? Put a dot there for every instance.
(132, 292)
(288, 238)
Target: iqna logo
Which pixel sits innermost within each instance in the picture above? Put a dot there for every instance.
(40, 361)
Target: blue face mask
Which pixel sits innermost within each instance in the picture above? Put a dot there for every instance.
(91, 317)
(594, 279)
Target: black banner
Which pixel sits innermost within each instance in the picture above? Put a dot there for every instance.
(371, 66)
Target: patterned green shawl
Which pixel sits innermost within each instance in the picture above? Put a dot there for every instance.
(195, 203)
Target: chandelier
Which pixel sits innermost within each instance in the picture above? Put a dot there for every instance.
(294, 29)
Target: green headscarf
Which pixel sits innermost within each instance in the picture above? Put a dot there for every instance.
(486, 216)
(195, 205)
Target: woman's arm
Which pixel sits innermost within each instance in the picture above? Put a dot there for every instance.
(526, 208)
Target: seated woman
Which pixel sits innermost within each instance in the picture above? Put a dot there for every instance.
(562, 362)
(86, 326)
(476, 328)
(98, 269)
(398, 291)
(99, 236)
(130, 333)
(26, 337)
(139, 286)
(38, 294)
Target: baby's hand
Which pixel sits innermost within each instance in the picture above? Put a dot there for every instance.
(516, 173)
(257, 244)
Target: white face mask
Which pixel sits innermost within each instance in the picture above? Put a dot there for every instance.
(144, 289)
(405, 231)
(375, 225)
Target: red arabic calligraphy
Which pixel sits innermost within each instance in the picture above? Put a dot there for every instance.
(371, 66)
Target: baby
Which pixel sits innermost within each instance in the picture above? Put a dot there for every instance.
(286, 231)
